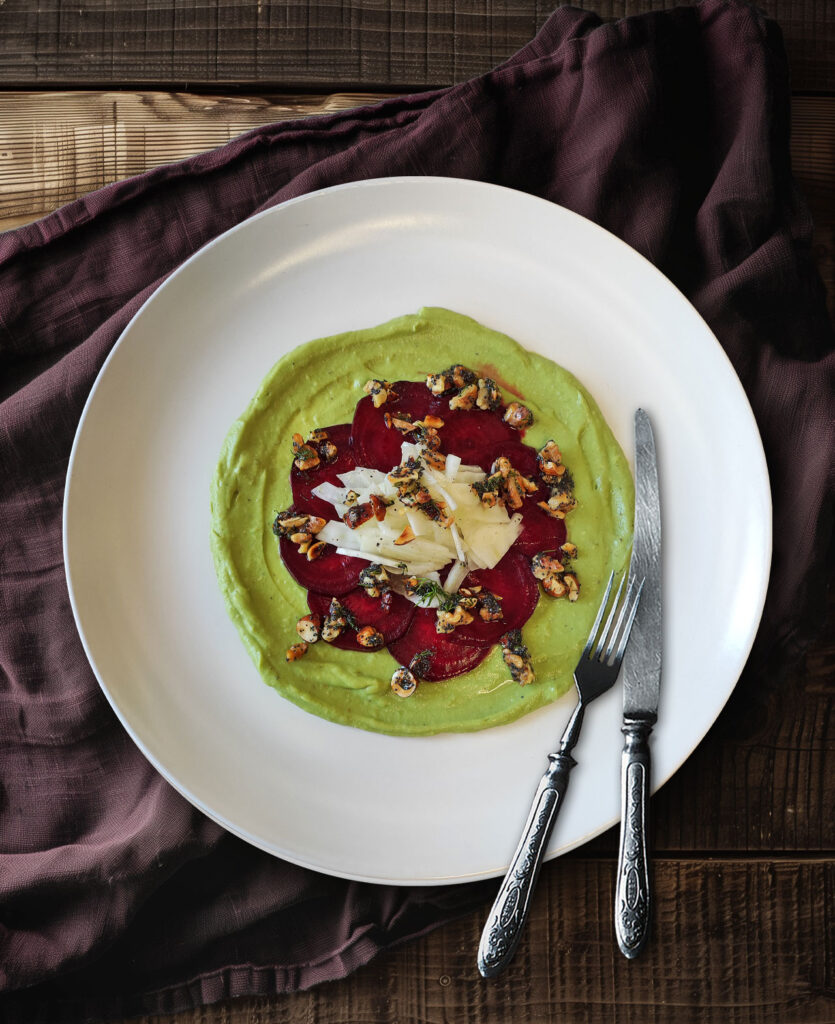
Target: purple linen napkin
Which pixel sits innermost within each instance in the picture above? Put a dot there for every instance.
(671, 130)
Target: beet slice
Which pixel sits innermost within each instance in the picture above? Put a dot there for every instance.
(448, 658)
(512, 580)
(377, 446)
(303, 483)
(330, 573)
(540, 532)
(368, 612)
(464, 433)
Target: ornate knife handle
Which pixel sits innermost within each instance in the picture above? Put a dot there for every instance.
(510, 910)
(632, 893)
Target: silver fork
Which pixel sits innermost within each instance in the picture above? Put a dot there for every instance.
(595, 673)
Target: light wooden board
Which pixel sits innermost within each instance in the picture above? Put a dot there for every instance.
(55, 146)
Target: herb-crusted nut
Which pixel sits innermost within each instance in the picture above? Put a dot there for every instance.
(569, 549)
(356, 515)
(573, 586)
(545, 564)
(421, 663)
(335, 621)
(405, 537)
(296, 651)
(374, 579)
(449, 621)
(403, 682)
(380, 391)
(465, 399)
(315, 550)
(289, 522)
(489, 396)
(558, 505)
(518, 416)
(554, 586)
(490, 606)
(517, 657)
(309, 628)
(370, 637)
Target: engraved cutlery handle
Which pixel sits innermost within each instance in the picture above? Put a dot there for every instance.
(632, 893)
(510, 910)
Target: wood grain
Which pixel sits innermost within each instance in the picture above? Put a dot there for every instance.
(289, 44)
(734, 942)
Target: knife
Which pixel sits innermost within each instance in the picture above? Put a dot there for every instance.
(641, 677)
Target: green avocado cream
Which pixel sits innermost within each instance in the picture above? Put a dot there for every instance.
(319, 384)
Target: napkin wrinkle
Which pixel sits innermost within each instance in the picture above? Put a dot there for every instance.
(119, 896)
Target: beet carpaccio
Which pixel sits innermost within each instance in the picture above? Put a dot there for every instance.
(428, 527)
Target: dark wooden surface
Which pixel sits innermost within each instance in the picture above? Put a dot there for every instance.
(744, 834)
(325, 44)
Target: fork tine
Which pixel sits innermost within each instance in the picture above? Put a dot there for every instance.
(606, 629)
(600, 612)
(627, 629)
(613, 633)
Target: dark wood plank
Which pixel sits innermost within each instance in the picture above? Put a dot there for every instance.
(735, 942)
(199, 44)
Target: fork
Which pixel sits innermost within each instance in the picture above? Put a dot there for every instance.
(595, 673)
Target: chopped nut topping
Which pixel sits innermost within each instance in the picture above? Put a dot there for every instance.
(489, 395)
(370, 637)
(301, 538)
(434, 460)
(289, 522)
(317, 436)
(380, 391)
(351, 498)
(449, 621)
(358, 514)
(438, 383)
(374, 579)
(554, 586)
(335, 621)
(403, 682)
(490, 606)
(551, 570)
(296, 651)
(315, 550)
(518, 416)
(379, 506)
(549, 459)
(407, 535)
(546, 564)
(558, 505)
(569, 550)
(517, 657)
(407, 472)
(421, 663)
(309, 628)
(306, 457)
(504, 486)
(465, 399)
(328, 451)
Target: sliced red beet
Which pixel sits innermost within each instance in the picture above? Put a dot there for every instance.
(377, 446)
(464, 433)
(303, 483)
(368, 611)
(540, 532)
(447, 658)
(512, 580)
(330, 573)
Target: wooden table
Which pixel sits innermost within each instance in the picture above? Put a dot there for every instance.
(744, 834)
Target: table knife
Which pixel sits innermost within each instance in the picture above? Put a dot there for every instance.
(641, 676)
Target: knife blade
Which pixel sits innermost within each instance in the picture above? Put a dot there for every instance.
(641, 675)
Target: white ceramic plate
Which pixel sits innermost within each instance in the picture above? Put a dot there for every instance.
(136, 519)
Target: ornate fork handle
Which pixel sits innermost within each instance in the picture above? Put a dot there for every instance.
(510, 910)
(632, 892)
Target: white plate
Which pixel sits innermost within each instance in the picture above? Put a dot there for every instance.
(136, 519)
